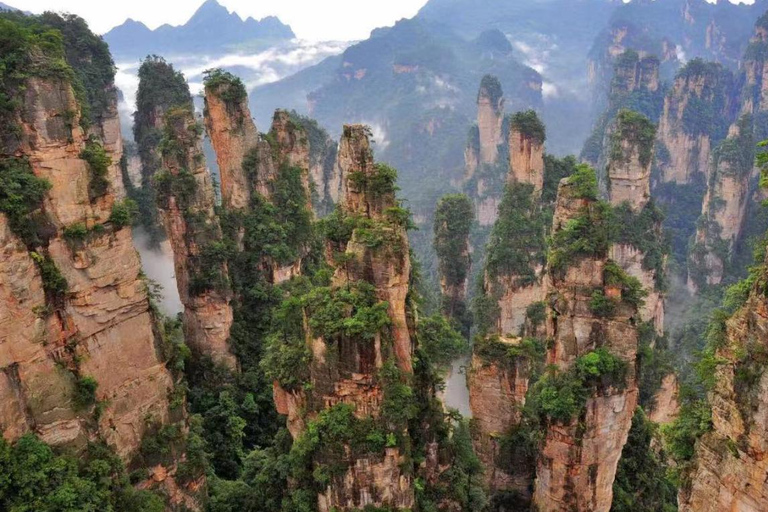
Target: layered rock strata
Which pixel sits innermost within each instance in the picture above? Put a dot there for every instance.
(578, 459)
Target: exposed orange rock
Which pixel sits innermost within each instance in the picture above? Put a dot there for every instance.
(208, 313)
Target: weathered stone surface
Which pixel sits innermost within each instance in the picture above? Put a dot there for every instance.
(666, 404)
(490, 114)
(526, 159)
(730, 466)
(103, 326)
(207, 315)
(578, 460)
(496, 396)
(233, 134)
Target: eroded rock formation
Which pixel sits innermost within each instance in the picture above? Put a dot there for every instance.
(578, 459)
(75, 309)
(729, 468)
(186, 201)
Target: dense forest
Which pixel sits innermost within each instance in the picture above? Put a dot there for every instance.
(602, 316)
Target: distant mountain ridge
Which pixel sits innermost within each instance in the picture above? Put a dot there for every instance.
(212, 29)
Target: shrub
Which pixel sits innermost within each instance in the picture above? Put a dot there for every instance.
(584, 182)
(85, 392)
(54, 284)
(439, 340)
(529, 124)
(21, 196)
(76, 232)
(123, 213)
(98, 163)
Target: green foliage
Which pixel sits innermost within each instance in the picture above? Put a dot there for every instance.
(21, 198)
(494, 351)
(398, 406)
(555, 169)
(642, 230)
(123, 213)
(161, 88)
(601, 305)
(352, 312)
(380, 184)
(75, 232)
(589, 235)
(320, 454)
(37, 479)
(694, 419)
(227, 86)
(439, 340)
(583, 182)
(536, 314)
(30, 48)
(561, 396)
(287, 357)
(453, 220)
(632, 292)
(85, 392)
(517, 244)
(88, 56)
(641, 483)
(98, 164)
(529, 124)
(636, 129)
(54, 284)
(491, 87)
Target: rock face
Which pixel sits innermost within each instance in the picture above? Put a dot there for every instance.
(102, 326)
(724, 207)
(578, 460)
(629, 184)
(346, 369)
(686, 139)
(730, 467)
(484, 172)
(526, 158)
(497, 392)
(666, 404)
(186, 201)
(233, 134)
(490, 113)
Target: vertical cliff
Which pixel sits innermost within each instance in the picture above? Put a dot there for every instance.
(232, 132)
(640, 248)
(728, 469)
(161, 88)
(352, 336)
(589, 397)
(485, 166)
(724, 207)
(186, 201)
(81, 355)
(510, 305)
(697, 112)
(453, 221)
(635, 86)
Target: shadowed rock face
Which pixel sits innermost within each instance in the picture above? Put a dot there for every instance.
(191, 225)
(730, 464)
(578, 460)
(102, 326)
(526, 159)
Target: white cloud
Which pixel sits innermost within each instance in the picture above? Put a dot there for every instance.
(549, 90)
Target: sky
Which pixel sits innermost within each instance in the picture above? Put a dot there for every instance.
(314, 20)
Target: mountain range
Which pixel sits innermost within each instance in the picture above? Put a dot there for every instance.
(212, 29)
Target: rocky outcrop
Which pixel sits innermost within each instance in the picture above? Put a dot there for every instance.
(666, 401)
(697, 110)
(452, 225)
(497, 390)
(578, 458)
(526, 157)
(346, 369)
(75, 307)
(490, 113)
(186, 202)
(484, 172)
(724, 207)
(629, 180)
(233, 134)
(730, 468)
